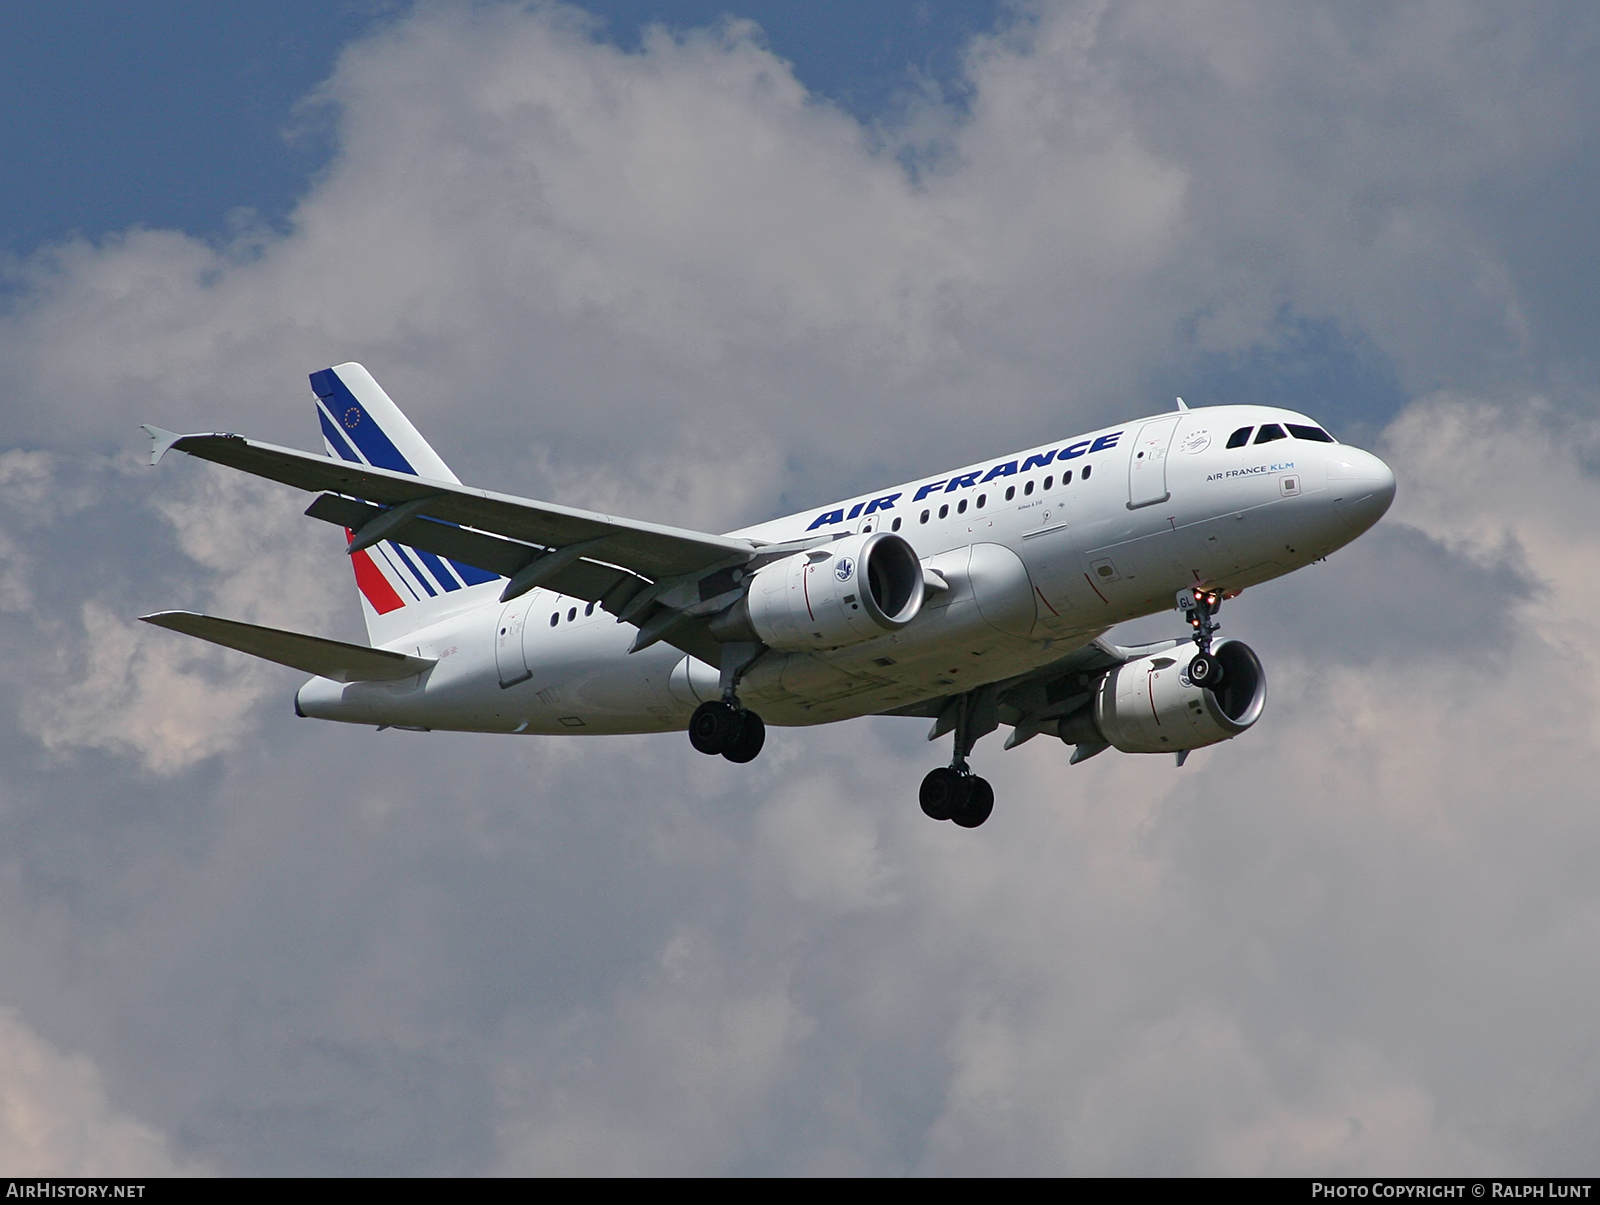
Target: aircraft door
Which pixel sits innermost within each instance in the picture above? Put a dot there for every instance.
(1147, 463)
(509, 659)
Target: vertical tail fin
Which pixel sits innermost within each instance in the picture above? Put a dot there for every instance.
(402, 589)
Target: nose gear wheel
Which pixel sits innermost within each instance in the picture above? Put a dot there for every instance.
(1200, 608)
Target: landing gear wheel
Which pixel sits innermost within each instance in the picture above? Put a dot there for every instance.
(1205, 671)
(980, 802)
(748, 740)
(1199, 605)
(714, 726)
(944, 793)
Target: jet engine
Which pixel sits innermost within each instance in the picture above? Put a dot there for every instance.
(1148, 705)
(852, 590)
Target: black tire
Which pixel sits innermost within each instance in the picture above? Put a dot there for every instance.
(1205, 671)
(944, 793)
(713, 727)
(748, 740)
(980, 803)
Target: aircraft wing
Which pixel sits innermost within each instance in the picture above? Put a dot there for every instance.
(1034, 702)
(309, 654)
(1090, 657)
(507, 533)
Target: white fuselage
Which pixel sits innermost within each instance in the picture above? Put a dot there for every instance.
(1037, 564)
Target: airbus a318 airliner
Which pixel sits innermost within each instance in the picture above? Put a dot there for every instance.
(974, 598)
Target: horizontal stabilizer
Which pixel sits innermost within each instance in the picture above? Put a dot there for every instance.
(309, 654)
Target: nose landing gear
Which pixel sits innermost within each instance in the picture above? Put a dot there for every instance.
(1199, 606)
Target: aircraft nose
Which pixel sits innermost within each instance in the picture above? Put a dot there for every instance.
(1362, 485)
(1383, 482)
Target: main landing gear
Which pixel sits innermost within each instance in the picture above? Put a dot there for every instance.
(725, 725)
(1199, 606)
(957, 795)
(954, 792)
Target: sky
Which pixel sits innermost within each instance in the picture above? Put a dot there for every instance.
(709, 264)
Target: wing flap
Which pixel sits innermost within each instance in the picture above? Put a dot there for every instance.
(309, 654)
(583, 579)
(1050, 684)
(650, 549)
(500, 556)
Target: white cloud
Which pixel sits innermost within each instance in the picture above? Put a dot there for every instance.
(112, 683)
(55, 1119)
(135, 693)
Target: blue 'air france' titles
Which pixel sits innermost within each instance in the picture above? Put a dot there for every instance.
(949, 485)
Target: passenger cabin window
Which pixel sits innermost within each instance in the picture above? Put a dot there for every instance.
(1315, 434)
(982, 498)
(924, 518)
(1240, 437)
(589, 610)
(1066, 478)
(1028, 489)
(944, 510)
(961, 508)
(1048, 482)
(572, 613)
(1011, 492)
(895, 526)
(1086, 470)
(555, 619)
(1270, 432)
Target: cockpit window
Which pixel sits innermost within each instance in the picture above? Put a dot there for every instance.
(1240, 437)
(1270, 432)
(1315, 434)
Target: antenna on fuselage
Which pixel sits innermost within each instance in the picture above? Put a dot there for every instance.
(1182, 409)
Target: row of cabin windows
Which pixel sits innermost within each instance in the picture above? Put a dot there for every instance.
(1268, 433)
(572, 613)
(1011, 492)
(1271, 431)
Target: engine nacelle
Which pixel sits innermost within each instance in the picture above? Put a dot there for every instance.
(1150, 706)
(852, 590)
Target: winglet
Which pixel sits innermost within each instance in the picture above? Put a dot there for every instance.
(160, 442)
(1181, 407)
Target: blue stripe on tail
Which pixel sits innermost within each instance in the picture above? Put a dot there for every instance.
(472, 575)
(336, 441)
(357, 425)
(443, 575)
(421, 577)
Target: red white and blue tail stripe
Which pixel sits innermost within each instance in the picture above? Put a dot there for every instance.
(401, 588)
